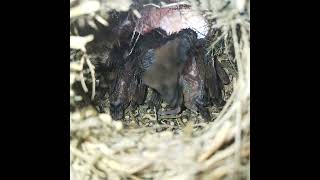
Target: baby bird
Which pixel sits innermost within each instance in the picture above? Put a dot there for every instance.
(163, 66)
(128, 91)
(193, 87)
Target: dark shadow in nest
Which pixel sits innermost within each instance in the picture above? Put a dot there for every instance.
(136, 79)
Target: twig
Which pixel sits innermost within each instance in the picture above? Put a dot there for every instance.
(236, 48)
(118, 166)
(133, 34)
(211, 47)
(152, 4)
(134, 44)
(220, 172)
(170, 116)
(91, 68)
(135, 177)
(142, 166)
(168, 5)
(218, 157)
(83, 84)
(217, 142)
(144, 129)
(155, 113)
(226, 45)
(198, 32)
(237, 154)
(225, 113)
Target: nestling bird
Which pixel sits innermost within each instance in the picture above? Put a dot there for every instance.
(199, 83)
(119, 97)
(215, 77)
(163, 66)
(178, 70)
(128, 91)
(193, 85)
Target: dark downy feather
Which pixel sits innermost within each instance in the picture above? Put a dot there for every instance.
(167, 63)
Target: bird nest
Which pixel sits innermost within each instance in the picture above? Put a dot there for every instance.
(183, 146)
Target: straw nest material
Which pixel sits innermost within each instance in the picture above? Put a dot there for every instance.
(101, 148)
